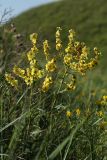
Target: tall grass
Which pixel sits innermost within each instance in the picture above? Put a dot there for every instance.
(52, 122)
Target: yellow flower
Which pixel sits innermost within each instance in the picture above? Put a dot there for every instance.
(11, 80)
(67, 59)
(28, 72)
(33, 38)
(34, 49)
(19, 72)
(46, 48)
(71, 35)
(78, 112)
(29, 80)
(58, 39)
(47, 83)
(40, 73)
(102, 101)
(97, 52)
(72, 85)
(29, 77)
(51, 66)
(104, 98)
(30, 55)
(68, 114)
(33, 70)
(70, 48)
(33, 63)
(100, 113)
(85, 52)
(92, 63)
(74, 66)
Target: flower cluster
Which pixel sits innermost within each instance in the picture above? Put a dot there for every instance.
(51, 66)
(102, 101)
(58, 39)
(11, 80)
(72, 85)
(32, 73)
(46, 48)
(100, 113)
(77, 55)
(47, 83)
(77, 112)
(75, 58)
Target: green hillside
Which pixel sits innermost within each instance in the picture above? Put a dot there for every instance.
(88, 18)
(49, 108)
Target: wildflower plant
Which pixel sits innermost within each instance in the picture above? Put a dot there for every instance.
(57, 120)
(75, 59)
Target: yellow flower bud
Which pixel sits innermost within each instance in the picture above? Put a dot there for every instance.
(68, 114)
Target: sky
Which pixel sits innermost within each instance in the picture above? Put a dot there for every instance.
(19, 6)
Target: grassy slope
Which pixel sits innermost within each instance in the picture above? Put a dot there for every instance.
(88, 18)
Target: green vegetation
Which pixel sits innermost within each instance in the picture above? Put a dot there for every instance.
(50, 107)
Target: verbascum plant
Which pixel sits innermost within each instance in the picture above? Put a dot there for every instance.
(75, 59)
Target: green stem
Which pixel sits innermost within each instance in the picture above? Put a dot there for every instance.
(55, 98)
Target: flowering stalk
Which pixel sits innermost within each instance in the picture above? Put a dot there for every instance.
(75, 59)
